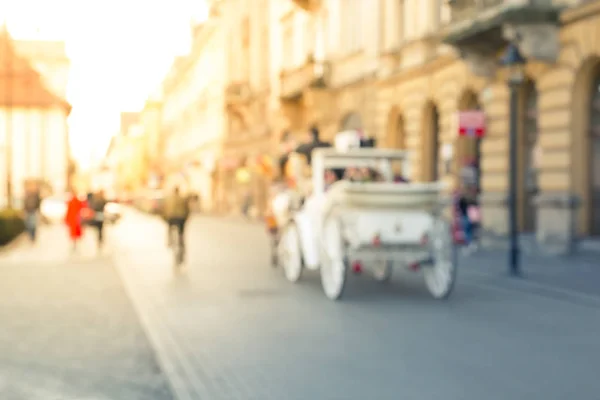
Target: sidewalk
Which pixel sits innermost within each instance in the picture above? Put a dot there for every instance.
(69, 331)
(578, 274)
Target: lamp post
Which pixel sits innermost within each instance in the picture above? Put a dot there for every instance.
(515, 63)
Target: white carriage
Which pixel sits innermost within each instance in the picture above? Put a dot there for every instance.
(381, 223)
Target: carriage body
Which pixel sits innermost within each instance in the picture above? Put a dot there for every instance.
(382, 224)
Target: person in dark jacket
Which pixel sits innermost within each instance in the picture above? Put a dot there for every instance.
(467, 201)
(313, 143)
(97, 204)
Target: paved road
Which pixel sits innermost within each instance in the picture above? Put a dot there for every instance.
(68, 330)
(231, 328)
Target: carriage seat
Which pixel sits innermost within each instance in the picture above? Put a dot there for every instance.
(424, 196)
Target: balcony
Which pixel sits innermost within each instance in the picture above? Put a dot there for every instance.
(479, 29)
(308, 5)
(237, 93)
(294, 82)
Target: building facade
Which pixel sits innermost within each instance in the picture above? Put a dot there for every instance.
(328, 54)
(34, 140)
(402, 71)
(247, 136)
(558, 144)
(126, 157)
(193, 114)
(150, 120)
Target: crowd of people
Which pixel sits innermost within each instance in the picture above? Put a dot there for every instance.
(79, 211)
(90, 211)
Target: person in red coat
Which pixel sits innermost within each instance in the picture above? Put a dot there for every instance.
(73, 218)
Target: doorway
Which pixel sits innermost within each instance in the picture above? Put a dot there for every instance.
(468, 149)
(396, 139)
(395, 135)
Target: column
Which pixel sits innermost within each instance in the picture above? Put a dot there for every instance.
(556, 203)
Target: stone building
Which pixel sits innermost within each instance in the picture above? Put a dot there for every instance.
(247, 136)
(328, 55)
(193, 118)
(150, 120)
(559, 145)
(402, 70)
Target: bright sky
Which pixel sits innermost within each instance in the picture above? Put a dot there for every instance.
(120, 50)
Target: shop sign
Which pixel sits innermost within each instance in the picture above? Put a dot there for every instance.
(471, 123)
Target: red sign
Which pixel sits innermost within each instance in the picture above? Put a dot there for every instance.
(471, 123)
(229, 163)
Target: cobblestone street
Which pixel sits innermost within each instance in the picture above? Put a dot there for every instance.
(69, 332)
(230, 327)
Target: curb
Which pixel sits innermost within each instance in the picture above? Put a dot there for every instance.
(530, 287)
(171, 356)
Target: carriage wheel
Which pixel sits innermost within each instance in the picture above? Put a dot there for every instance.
(440, 277)
(382, 270)
(289, 253)
(333, 258)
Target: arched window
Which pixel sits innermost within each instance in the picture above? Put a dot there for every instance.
(395, 137)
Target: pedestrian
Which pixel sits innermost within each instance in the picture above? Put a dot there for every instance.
(176, 213)
(246, 203)
(97, 205)
(469, 173)
(468, 214)
(73, 218)
(32, 203)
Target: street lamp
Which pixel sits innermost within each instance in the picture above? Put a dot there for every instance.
(515, 63)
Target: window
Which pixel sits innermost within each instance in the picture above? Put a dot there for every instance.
(408, 17)
(246, 33)
(309, 36)
(400, 12)
(444, 12)
(287, 42)
(352, 26)
(394, 24)
(265, 56)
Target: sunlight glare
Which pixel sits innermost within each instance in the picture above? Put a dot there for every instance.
(119, 52)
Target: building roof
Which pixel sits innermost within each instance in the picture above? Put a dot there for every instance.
(20, 84)
(43, 49)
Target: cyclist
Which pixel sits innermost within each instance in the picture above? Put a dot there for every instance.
(176, 213)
